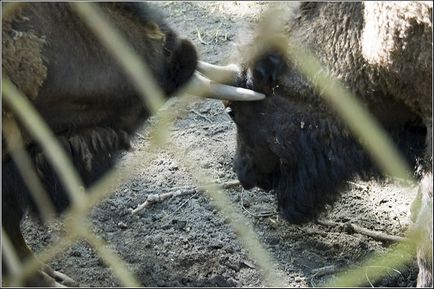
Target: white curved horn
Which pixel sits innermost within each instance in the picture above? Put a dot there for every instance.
(200, 85)
(228, 73)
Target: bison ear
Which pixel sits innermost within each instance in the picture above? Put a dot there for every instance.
(263, 75)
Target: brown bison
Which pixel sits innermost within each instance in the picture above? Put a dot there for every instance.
(293, 141)
(84, 96)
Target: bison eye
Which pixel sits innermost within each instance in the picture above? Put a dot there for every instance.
(230, 111)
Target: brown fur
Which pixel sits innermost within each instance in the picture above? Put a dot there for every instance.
(293, 141)
(81, 92)
(22, 59)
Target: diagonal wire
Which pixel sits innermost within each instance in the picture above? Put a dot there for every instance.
(373, 137)
(9, 255)
(239, 223)
(33, 264)
(118, 265)
(10, 8)
(133, 65)
(362, 124)
(99, 191)
(37, 127)
(21, 158)
(401, 254)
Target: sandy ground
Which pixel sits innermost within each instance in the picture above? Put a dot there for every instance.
(186, 241)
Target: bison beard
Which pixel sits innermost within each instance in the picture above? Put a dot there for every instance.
(82, 94)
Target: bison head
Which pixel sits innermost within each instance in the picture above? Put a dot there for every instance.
(289, 142)
(293, 143)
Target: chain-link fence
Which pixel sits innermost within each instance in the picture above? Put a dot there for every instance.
(358, 119)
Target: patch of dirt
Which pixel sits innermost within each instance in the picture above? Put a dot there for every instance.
(186, 241)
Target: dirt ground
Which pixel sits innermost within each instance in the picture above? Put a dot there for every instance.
(186, 241)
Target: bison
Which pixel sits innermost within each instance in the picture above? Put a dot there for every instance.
(293, 141)
(84, 96)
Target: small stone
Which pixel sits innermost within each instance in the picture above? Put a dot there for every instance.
(298, 279)
(122, 225)
(173, 167)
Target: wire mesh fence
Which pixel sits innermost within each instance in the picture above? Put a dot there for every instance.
(358, 119)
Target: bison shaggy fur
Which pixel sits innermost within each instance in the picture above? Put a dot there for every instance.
(81, 92)
(294, 142)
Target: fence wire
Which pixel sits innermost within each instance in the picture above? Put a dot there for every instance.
(152, 96)
(370, 135)
(75, 218)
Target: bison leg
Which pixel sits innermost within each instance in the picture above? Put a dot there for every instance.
(46, 276)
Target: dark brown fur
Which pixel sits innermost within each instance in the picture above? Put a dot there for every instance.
(293, 141)
(81, 92)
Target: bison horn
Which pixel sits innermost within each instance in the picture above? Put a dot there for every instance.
(200, 85)
(218, 73)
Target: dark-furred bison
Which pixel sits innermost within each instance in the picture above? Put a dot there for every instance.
(82, 93)
(293, 141)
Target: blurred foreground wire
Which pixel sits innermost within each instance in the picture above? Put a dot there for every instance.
(365, 128)
(358, 119)
(74, 217)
